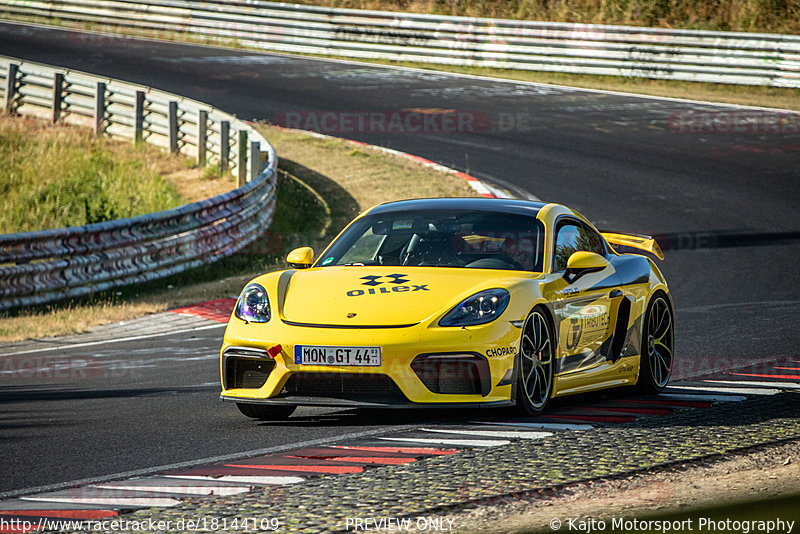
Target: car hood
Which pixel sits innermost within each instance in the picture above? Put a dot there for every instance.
(360, 296)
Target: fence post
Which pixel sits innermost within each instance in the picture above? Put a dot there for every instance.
(100, 109)
(242, 160)
(58, 95)
(138, 117)
(224, 145)
(11, 89)
(172, 119)
(202, 136)
(255, 160)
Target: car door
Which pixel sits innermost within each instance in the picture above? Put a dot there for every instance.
(584, 307)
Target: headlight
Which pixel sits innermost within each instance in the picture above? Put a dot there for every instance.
(253, 305)
(480, 308)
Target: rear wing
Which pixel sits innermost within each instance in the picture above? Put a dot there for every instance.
(642, 242)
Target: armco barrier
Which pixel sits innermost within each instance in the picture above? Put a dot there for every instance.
(689, 55)
(39, 267)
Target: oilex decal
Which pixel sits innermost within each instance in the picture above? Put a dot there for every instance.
(397, 280)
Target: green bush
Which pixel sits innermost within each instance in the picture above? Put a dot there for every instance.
(55, 177)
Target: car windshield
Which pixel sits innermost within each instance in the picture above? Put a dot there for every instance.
(442, 238)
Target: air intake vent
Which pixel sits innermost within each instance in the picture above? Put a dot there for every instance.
(246, 368)
(348, 386)
(453, 374)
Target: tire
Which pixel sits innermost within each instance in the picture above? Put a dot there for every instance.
(658, 342)
(536, 362)
(264, 412)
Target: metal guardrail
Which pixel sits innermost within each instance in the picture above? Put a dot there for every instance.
(689, 55)
(48, 265)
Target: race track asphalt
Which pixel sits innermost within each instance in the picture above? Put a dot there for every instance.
(622, 160)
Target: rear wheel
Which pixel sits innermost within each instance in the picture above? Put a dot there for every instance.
(264, 412)
(657, 346)
(535, 379)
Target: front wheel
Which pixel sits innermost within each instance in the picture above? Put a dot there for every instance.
(535, 378)
(657, 346)
(265, 412)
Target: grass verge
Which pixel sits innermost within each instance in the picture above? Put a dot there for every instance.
(746, 95)
(316, 198)
(56, 176)
(729, 15)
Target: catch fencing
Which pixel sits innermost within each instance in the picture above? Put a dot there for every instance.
(48, 265)
(688, 55)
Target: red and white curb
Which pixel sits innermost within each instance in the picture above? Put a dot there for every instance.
(757, 378)
(90, 502)
(218, 310)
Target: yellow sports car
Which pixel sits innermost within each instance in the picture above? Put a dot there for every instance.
(457, 302)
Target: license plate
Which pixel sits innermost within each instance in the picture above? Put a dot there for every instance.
(350, 356)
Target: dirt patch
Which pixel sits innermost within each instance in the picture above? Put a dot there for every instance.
(765, 473)
(195, 184)
(72, 318)
(368, 175)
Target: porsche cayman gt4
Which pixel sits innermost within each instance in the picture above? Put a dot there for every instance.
(456, 302)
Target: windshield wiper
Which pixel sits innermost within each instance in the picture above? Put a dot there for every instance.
(361, 263)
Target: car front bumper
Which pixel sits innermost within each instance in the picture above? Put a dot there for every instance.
(420, 365)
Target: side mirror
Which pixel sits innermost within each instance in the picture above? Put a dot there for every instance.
(583, 262)
(300, 258)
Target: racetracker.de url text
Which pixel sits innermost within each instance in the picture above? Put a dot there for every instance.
(199, 524)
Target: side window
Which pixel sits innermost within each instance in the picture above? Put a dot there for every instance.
(572, 236)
